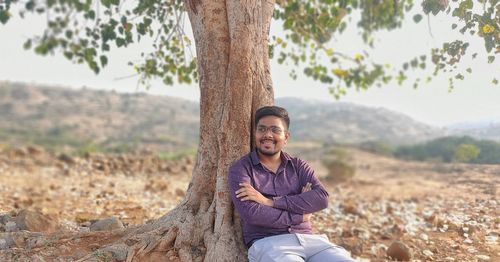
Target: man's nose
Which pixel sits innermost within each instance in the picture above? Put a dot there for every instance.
(268, 133)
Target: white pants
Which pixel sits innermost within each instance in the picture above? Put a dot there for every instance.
(297, 247)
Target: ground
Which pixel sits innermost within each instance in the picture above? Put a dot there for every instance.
(442, 212)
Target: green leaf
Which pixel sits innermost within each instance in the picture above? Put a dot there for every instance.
(489, 44)
(30, 5)
(288, 23)
(417, 18)
(453, 26)
(467, 4)
(106, 3)
(494, 81)
(491, 58)
(4, 16)
(91, 14)
(68, 33)
(68, 55)
(104, 60)
(27, 44)
(120, 42)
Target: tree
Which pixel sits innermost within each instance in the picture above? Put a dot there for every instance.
(232, 68)
(466, 153)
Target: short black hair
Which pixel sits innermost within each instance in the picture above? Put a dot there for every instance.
(272, 111)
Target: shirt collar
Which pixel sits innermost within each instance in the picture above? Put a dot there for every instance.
(285, 157)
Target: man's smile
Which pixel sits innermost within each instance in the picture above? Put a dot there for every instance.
(267, 142)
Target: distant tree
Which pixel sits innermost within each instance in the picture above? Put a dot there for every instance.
(232, 67)
(466, 153)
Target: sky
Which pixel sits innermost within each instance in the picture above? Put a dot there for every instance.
(474, 99)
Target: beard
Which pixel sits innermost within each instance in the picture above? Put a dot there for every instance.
(267, 153)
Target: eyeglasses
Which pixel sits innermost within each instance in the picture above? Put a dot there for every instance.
(274, 129)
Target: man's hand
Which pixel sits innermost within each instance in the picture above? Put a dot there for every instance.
(307, 187)
(247, 192)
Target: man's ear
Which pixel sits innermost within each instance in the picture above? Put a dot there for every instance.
(287, 135)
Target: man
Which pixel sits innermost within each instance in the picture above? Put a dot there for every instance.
(276, 194)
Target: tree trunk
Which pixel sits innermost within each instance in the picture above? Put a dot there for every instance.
(232, 51)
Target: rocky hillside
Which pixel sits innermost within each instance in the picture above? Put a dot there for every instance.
(88, 118)
(94, 120)
(350, 123)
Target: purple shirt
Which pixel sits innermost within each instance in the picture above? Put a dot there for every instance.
(284, 187)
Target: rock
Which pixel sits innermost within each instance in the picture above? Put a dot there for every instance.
(4, 218)
(467, 230)
(67, 159)
(427, 253)
(34, 150)
(483, 257)
(424, 237)
(19, 152)
(454, 225)
(9, 241)
(399, 251)
(3, 244)
(379, 250)
(361, 233)
(180, 193)
(346, 233)
(86, 224)
(397, 229)
(350, 208)
(84, 230)
(107, 224)
(35, 222)
(119, 252)
(11, 227)
(491, 238)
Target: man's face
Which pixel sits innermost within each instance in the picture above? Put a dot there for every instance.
(270, 135)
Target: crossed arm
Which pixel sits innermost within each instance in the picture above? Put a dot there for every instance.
(278, 212)
(248, 193)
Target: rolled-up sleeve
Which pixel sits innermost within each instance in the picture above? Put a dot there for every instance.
(308, 202)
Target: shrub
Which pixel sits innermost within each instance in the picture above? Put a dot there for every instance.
(466, 153)
(338, 164)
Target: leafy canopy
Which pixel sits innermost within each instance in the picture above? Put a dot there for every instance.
(85, 31)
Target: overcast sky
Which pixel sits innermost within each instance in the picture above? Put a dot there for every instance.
(475, 99)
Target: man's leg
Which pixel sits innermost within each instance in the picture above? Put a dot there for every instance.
(318, 248)
(282, 248)
(281, 257)
(333, 254)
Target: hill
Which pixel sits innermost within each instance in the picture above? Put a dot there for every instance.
(82, 118)
(94, 120)
(349, 123)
